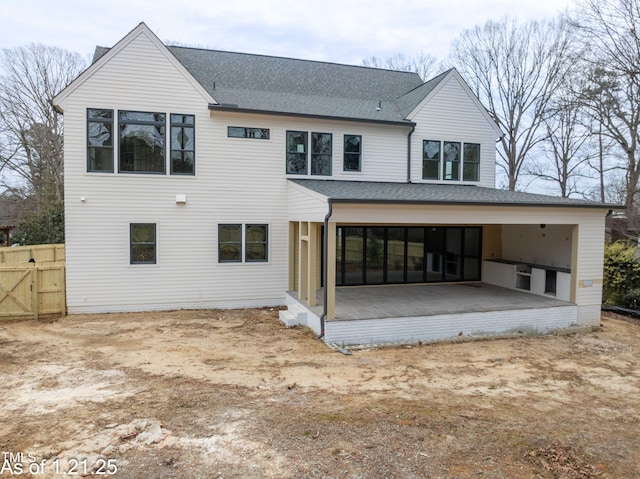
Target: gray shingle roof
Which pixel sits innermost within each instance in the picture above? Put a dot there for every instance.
(366, 191)
(303, 87)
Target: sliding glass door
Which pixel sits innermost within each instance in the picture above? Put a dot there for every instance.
(407, 254)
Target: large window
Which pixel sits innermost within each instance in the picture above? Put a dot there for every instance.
(352, 153)
(431, 160)
(99, 140)
(407, 254)
(443, 160)
(142, 142)
(297, 152)
(142, 243)
(298, 157)
(471, 162)
(183, 151)
(231, 241)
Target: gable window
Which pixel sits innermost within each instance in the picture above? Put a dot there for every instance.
(183, 144)
(242, 132)
(142, 243)
(256, 243)
(297, 152)
(352, 153)
(451, 163)
(142, 142)
(230, 243)
(471, 162)
(321, 147)
(99, 140)
(430, 160)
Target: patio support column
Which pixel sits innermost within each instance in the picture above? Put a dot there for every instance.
(303, 261)
(575, 242)
(312, 267)
(292, 256)
(330, 280)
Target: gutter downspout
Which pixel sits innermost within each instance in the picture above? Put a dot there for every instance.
(325, 259)
(413, 128)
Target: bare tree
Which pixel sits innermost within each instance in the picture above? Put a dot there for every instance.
(514, 68)
(609, 29)
(425, 65)
(30, 129)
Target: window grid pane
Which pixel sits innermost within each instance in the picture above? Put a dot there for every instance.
(297, 152)
(321, 150)
(142, 243)
(142, 142)
(182, 144)
(99, 140)
(230, 243)
(430, 160)
(471, 162)
(352, 152)
(256, 243)
(243, 132)
(451, 155)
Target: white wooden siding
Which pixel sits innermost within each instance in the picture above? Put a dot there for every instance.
(450, 114)
(305, 205)
(228, 188)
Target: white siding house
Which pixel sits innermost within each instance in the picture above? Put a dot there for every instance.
(204, 179)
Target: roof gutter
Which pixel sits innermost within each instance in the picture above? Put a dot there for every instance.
(325, 266)
(236, 109)
(473, 203)
(413, 128)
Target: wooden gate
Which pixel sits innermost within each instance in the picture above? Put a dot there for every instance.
(31, 289)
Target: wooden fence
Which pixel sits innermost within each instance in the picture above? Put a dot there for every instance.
(32, 288)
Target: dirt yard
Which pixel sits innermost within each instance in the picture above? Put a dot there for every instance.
(234, 394)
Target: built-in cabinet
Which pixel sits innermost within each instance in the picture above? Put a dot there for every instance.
(537, 279)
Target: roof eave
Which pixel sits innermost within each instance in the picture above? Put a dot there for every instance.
(471, 203)
(235, 109)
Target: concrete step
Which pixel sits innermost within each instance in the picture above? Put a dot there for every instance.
(293, 316)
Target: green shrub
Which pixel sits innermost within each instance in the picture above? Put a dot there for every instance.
(631, 300)
(621, 272)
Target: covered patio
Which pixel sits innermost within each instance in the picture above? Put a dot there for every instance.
(382, 262)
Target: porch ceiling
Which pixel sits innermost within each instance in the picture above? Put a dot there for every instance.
(389, 301)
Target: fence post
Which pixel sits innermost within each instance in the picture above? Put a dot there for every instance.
(35, 300)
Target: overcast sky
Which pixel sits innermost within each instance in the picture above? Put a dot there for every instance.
(342, 31)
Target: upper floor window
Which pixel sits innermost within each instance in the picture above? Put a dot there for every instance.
(430, 160)
(142, 142)
(298, 153)
(242, 132)
(99, 140)
(183, 154)
(352, 153)
(447, 160)
(451, 161)
(471, 162)
(321, 151)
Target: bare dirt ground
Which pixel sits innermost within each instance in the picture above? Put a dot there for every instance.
(234, 394)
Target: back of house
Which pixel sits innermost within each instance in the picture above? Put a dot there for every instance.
(206, 179)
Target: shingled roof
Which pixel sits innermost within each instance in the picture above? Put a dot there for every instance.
(381, 192)
(243, 81)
